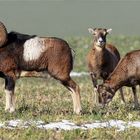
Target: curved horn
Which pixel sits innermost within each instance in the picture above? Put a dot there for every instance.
(3, 34)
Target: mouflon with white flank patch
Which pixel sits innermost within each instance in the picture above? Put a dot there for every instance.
(33, 48)
(102, 58)
(127, 73)
(21, 52)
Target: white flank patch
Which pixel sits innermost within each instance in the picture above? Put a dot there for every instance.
(33, 48)
(68, 125)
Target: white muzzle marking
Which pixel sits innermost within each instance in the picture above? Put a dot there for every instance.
(33, 48)
(100, 42)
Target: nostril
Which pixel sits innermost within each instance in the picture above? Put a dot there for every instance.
(100, 40)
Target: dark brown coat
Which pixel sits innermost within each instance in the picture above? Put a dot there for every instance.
(53, 55)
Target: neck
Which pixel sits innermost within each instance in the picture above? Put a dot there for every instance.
(98, 48)
(111, 84)
(99, 54)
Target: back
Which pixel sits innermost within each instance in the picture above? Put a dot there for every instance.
(132, 62)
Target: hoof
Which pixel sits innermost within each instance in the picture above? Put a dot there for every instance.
(7, 109)
(78, 111)
(12, 109)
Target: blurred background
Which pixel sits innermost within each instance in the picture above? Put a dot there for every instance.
(66, 18)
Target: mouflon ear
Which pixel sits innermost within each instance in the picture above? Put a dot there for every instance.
(91, 31)
(109, 31)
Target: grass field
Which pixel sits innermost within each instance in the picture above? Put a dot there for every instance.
(48, 100)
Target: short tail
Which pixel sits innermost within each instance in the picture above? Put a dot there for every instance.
(73, 53)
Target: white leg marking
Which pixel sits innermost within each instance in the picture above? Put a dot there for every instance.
(10, 101)
(96, 96)
(12, 108)
(76, 100)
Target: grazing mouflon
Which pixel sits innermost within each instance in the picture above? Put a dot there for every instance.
(127, 73)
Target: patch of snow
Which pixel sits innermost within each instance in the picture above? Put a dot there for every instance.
(68, 125)
(13, 123)
(134, 124)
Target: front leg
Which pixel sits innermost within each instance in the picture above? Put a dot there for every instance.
(95, 84)
(94, 79)
(9, 90)
(135, 97)
(122, 96)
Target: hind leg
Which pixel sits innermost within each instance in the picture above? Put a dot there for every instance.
(75, 93)
(135, 97)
